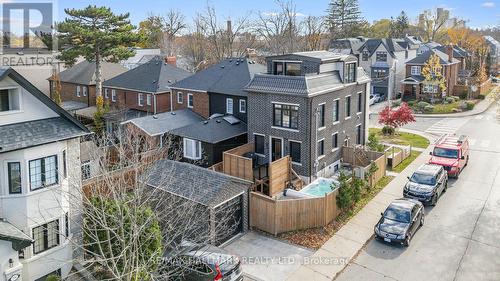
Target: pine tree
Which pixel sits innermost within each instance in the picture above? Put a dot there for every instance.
(343, 18)
(98, 35)
(399, 26)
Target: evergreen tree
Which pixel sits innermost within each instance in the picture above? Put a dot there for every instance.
(343, 18)
(399, 26)
(98, 35)
(344, 196)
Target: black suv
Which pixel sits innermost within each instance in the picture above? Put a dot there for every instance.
(426, 184)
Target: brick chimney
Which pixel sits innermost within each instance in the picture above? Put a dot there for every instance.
(449, 52)
(172, 60)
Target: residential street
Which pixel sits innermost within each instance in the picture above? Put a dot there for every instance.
(461, 236)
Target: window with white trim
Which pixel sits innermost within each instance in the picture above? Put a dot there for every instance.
(9, 100)
(360, 102)
(45, 236)
(259, 143)
(321, 116)
(140, 99)
(229, 106)
(84, 88)
(148, 99)
(113, 95)
(86, 170)
(14, 175)
(336, 110)
(106, 93)
(358, 134)
(243, 106)
(180, 98)
(78, 91)
(335, 140)
(321, 148)
(295, 151)
(192, 149)
(347, 107)
(190, 100)
(43, 172)
(415, 70)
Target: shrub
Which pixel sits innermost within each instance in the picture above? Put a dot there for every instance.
(463, 105)
(411, 103)
(470, 105)
(481, 97)
(396, 103)
(455, 110)
(357, 185)
(344, 197)
(429, 108)
(422, 104)
(386, 130)
(373, 143)
(463, 95)
(449, 100)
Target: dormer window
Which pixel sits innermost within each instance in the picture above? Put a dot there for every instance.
(381, 56)
(365, 55)
(9, 100)
(350, 73)
(286, 68)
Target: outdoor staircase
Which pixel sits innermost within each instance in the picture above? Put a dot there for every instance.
(361, 157)
(296, 180)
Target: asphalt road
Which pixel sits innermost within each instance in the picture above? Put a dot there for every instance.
(461, 236)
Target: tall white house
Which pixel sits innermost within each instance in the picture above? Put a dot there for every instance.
(40, 181)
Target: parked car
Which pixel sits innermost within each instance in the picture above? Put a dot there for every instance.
(426, 184)
(452, 153)
(377, 97)
(400, 221)
(373, 99)
(202, 263)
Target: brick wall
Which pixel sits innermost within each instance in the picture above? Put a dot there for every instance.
(201, 101)
(68, 93)
(127, 99)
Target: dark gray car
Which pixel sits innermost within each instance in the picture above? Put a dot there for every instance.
(400, 221)
(427, 184)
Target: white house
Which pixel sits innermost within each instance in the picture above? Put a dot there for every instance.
(40, 178)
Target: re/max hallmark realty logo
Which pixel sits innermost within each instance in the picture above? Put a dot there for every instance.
(27, 33)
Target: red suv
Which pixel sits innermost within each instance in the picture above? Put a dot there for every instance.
(452, 153)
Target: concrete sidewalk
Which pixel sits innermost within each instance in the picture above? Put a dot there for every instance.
(339, 250)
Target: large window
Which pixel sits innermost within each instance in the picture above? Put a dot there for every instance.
(243, 106)
(180, 98)
(381, 56)
(9, 100)
(45, 236)
(347, 107)
(229, 106)
(148, 99)
(259, 142)
(321, 115)
(286, 116)
(43, 172)
(379, 73)
(295, 151)
(350, 73)
(140, 99)
(14, 174)
(190, 101)
(336, 110)
(286, 68)
(321, 148)
(415, 70)
(192, 149)
(335, 140)
(360, 101)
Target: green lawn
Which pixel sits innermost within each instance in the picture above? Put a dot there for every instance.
(444, 108)
(401, 138)
(399, 168)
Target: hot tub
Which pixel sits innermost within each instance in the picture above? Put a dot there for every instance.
(320, 187)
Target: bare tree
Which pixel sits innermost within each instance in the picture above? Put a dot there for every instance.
(432, 25)
(195, 46)
(313, 30)
(131, 229)
(279, 30)
(174, 23)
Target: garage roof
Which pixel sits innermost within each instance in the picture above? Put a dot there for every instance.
(195, 183)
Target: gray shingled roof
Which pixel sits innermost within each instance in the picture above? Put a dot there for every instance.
(372, 44)
(229, 77)
(424, 57)
(195, 183)
(32, 133)
(9, 232)
(165, 122)
(211, 131)
(457, 51)
(84, 72)
(154, 76)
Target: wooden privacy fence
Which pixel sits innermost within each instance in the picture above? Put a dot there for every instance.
(236, 165)
(279, 175)
(378, 158)
(396, 155)
(277, 216)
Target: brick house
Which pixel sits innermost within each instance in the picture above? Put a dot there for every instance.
(308, 106)
(78, 83)
(144, 88)
(414, 86)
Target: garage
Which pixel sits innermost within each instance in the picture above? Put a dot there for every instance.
(382, 91)
(217, 203)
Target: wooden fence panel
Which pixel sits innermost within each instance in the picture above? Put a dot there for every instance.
(279, 175)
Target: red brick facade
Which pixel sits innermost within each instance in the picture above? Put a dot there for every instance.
(69, 93)
(450, 73)
(201, 101)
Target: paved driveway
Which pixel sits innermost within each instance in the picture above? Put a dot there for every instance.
(265, 258)
(461, 236)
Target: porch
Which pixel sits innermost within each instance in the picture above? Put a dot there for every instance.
(411, 88)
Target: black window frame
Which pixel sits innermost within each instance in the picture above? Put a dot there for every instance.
(5, 95)
(43, 172)
(257, 144)
(66, 224)
(320, 148)
(65, 167)
(350, 72)
(293, 110)
(381, 56)
(10, 178)
(347, 104)
(275, 67)
(358, 134)
(365, 56)
(295, 72)
(335, 140)
(295, 155)
(321, 115)
(336, 108)
(45, 233)
(86, 170)
(360, 102)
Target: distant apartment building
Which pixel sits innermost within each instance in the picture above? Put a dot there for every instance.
(383, 59)
(40, 182)
(308, 105)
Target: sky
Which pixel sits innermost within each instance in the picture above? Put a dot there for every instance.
(478, 13)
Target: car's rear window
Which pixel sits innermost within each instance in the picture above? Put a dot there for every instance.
(423, 179)
(445, 152)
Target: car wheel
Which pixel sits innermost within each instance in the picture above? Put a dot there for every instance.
(406, 243)
(434, 200)
(467, 161)
(422, 220)
(445, 186)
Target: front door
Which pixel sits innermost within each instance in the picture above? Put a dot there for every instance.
(276, 149)
(413, 90)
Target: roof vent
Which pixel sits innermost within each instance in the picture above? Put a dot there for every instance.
(237, 63)
(155, 116)
(218, 121)
(154, 81)
(221, 66)
(173, 113)
(205, 122)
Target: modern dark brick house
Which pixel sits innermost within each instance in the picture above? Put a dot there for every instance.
(144, 88)
(308, 106)
(414, 86)
(78, 82)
